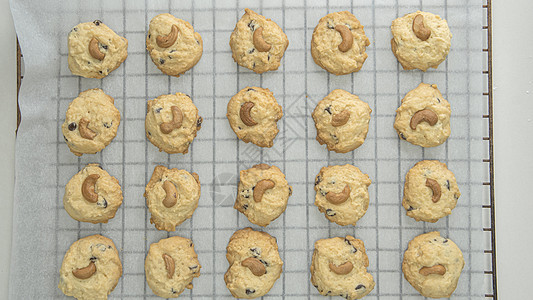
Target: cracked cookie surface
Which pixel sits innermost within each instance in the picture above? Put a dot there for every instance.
(425, 98)
(263, 193)
(172, 197)
(415, 53)
(91, 268)
(420, 197)
(342, 193)
(432, 265)
(254, 263)
(161, 110)
(338, 268)
(253, 114)
(107, 189)
(91, 122)
(103, 41)
(170, 266)
(245, 48)
(341, 121)
(182, 49)
(326, 40)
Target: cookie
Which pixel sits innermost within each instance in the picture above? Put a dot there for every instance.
(342, 193)
(430, 191)
(91, 122)
(432, 265)
(257, 43)
(254, 263)
(173, 44)
(172, 122)
(423, 118)
(95, 50)
(339, 43)
(253, 114)
(420, 40)
(91, 268)
(171, 196)
(262, 194)
(170, 266)
(338, 268)
(92, 195)
(341, 121)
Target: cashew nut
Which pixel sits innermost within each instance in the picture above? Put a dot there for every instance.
(425, 115)
(435, 187)
(420, 30)
(85, 132)
(261, 187)
(171, 197)
(87, 188)
(245, 114)
(256, 266)
(338, 198)
(436, 269)
(259, 42)
(340, 118)
(169, 265)
(343, 269)
(347, 37)
(262, 166)
(84, 273)
(177, 120)
(94, 49)
(165, 41)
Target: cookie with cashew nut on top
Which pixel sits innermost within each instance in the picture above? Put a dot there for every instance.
(170, 266)
(92, 195)
(95, 50)
(91, 122)
(338, 268)
(339, 43)
(258, 43)
(432, 264)
(262, 194)
(254, 263)
(423, 117)
(253, 114)
(172, 122)
(341, 121)
(430, 191)
(342, 193)
(91, 268)
(420, 40)
(173, 44)
(172, 197)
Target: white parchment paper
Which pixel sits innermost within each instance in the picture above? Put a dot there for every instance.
(43, 231)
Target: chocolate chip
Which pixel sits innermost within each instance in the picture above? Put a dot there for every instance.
(330, 26)
(438, 99)
(318, 179)
(149, 36)
(251, 25)
(172, 51)
(255, 252)
(456, 197)
(330, 212)
(93, 259)
(100, 72)
(353, 248)
(199, 122)
(66, 140)
(402, 136)
(107, 125)
(72, 126)
(268, 57)
(263, 262)
(189, 96)
(149, 133)
(193, 267)
(158, 109)
(328, 109)
(410, 208)
(290, 190)
(103, 203)
(250, 89)
(173, 291)
(445, 241)
(75, 29)
(250, 291)
(161, 61)
(88, 62)
(251, 51)
(448, 184)
(97, 22)
(245, 206)
(104, 46)
(361, 286)
(198, 42)
(253, 66)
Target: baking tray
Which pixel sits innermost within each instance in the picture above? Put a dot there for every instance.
(488, 208)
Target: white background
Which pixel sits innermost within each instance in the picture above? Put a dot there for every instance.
(513, 135)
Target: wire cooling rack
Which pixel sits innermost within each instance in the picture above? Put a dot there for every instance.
(132, 284)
